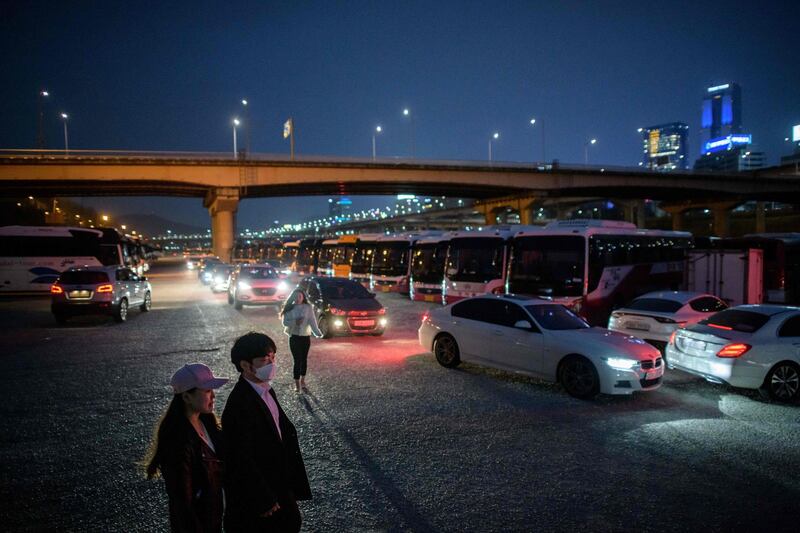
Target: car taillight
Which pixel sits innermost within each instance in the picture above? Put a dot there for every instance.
(55, 289)
(498, 290)
(672, 337)
(425, 317)
(335, 311)
(733, 350)
(719, 326)
(382, 311)
(105, 288)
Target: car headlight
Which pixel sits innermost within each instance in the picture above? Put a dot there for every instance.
(286, 271)
(219, 279)
(244, 285)
(338, 323)
(621, 363)
(283, 286)
(383, 322)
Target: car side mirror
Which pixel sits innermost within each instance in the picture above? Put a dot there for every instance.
(523, 324)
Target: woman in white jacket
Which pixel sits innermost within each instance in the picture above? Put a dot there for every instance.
(299, 323)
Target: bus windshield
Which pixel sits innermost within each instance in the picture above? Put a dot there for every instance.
(427, 265)
(550, 265)
(362, 259)
(476, 259)
(391, 259)
(344, 254)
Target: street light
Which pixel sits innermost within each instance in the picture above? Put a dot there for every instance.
(235, 125)
(40, 142)
(407, 113)
(246, 126)
(64, 117)
(494, 136)
(105, 218)
(378, 129)
(586, 150)
(541, 125)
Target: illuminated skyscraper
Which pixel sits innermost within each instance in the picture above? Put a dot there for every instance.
(665, 147)
(722, 113)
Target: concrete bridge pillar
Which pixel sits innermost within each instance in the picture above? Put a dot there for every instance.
(525, 208)
(761, 220)
(722, 220)
(676, 211)
(635, 212)
(222, 204)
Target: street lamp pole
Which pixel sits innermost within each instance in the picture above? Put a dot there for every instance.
(541, 126)
(586, 150)
(407, 113)
(235, 125)
(40, 142)
(494, 136)
(64, 117)
(246, 126)
(378, 129)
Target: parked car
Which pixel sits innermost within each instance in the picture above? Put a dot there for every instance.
(541, 339)
(220, 277)
(99, 290)
(748, 346)
(656, 315)
(256, 284)
(344, 307)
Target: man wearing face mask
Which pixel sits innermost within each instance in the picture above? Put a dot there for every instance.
(264, 473)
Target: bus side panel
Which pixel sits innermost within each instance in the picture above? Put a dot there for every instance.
(36, 274)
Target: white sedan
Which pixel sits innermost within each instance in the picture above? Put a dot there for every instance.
(656, 315)
(748, 346)
(541, 339)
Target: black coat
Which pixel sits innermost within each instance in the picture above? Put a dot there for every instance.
(193, 474)
(261, 468)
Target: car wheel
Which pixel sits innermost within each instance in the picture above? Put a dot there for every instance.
(445, 348)
(579, 377)
(121, 313)
(783, 382)
(61, 318)
(324, 327)
(148, 302)
(238, 305)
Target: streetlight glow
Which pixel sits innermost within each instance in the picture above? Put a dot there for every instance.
(406, 111)
(533, 121)
(244, 102)
(45, 93)
(593, 141)
(495, 135)
(378, 129)
(236, 122)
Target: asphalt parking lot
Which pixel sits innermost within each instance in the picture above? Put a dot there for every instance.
(392, 441)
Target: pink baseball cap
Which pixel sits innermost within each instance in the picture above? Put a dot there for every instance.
(195, 375)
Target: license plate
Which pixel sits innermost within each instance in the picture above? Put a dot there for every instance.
(430, 298)
(80, 294)
(694, 344)
(638, 325)
(386, 288)
(363, 323)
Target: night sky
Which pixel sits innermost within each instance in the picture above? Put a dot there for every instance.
(170, 76)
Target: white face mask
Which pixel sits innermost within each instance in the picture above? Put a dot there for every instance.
(266, 372)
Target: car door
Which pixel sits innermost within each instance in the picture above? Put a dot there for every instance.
(124, 291)
(137, 294)
(522, 345)
(468, 324)
(789, 338)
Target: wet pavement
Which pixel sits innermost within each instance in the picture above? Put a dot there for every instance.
(392, 441)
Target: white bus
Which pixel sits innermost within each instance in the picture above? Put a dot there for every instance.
(427, 268)
(476, 261)
(361, 263)
(32, 257)
(594, 266)
(327, 253)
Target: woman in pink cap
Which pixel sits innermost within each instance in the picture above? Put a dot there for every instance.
(186, 451)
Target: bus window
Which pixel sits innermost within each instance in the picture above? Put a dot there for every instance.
(547, 266)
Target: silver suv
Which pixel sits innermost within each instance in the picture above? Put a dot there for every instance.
(99, 291)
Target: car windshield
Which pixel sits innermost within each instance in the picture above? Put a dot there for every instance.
(547, 266)
(83, 277)
(344, 290)
(556, 317)
(736, 320)
(657, 305)
(476, 259)
(258, 273)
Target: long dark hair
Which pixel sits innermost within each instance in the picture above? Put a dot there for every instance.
(171, 432)
(291, 301)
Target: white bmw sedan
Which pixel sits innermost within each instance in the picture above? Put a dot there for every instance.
(541, 339)
(748, 346)
(656, 315)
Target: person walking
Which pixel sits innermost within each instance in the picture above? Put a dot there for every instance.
(299, 323)
(187, 449)
(264, 471)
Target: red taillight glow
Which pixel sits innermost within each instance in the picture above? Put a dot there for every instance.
(335, 311)
(672, 337)
(425, 317)
(55, 289)
(105, 288)
(733, 350)
(718, 326)
(498, 290)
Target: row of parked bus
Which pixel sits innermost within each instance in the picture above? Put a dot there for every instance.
(592, 266)
(32, 257)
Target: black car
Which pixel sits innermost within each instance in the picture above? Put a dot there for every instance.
(344, 307)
